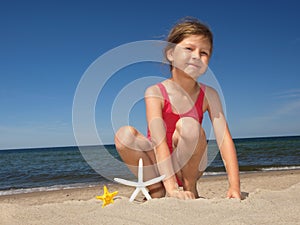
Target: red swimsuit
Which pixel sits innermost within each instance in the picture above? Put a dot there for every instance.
(171, 118)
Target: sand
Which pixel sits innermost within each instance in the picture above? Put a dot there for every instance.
(269, 198)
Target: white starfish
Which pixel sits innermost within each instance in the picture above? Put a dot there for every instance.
(140, 185)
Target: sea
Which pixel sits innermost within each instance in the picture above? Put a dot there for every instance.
(55, 168)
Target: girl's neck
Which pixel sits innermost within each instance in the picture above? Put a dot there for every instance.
(186, 82)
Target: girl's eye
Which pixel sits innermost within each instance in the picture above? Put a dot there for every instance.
(188, 48)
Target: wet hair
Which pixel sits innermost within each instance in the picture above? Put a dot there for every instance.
(184, 28)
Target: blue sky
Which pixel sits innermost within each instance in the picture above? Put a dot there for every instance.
(46, 46)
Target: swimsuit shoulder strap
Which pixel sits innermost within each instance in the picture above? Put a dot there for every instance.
(163, 91)
(200, 99)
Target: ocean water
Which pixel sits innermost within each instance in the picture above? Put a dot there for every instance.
(29, 170)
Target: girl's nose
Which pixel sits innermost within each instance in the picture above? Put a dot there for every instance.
(196, 54)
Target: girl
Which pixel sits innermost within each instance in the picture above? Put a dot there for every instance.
(176, 142)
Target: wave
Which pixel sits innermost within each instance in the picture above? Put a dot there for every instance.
(51, 188)
(281, 168)
(249, 169)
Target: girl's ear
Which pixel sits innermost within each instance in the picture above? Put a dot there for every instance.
(169, 55)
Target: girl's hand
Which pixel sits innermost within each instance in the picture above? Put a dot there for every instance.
(184, 195)
(234, 193)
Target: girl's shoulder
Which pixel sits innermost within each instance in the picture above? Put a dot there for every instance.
(209, 91)
(211, 98)
(153, 91)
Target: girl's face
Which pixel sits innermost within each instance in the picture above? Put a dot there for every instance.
(191, 55)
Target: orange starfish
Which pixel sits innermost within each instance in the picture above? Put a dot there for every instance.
(107, 197)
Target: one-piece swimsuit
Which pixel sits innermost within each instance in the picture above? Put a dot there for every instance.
(170, 118)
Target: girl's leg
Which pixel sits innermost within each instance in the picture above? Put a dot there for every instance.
(190, 145)
(131, 146)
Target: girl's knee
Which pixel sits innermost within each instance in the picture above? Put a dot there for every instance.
(125, 137)
(190, 129)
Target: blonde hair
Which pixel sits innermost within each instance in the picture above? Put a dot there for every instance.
(184, 28)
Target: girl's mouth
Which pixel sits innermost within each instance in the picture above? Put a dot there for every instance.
(194, 65)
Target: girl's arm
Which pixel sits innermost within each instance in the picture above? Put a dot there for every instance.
(224, 141)
(154, 104)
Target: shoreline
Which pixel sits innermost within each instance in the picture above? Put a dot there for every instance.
(207, 174)
(88, 192)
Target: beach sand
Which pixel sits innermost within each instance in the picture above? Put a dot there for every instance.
(269, 198)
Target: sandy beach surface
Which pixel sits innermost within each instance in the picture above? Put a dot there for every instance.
(269, 198)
